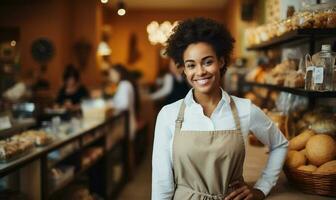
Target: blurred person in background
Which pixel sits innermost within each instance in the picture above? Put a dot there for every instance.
(173, 86)
(72, 91)
(22, 89)
(126, 96)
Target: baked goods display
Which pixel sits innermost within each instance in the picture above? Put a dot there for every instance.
(311, 159)
(324, 125)
(20, 144)
(10, 149)
(256, 75)
(312, 153)
(318, 121)
(283, 74)
(57, 175)
(39, 138)
(321, 16)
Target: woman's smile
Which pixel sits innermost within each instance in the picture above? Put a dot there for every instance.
(203, 81)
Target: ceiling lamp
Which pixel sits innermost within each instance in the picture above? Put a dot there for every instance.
(159, 33)
(104, 49)
(104, 1)
(121, 8)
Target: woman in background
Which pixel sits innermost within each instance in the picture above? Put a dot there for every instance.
(72, 91)
(126, 96)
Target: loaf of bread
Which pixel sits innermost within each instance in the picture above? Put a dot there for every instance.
(307, 168)
(327, 168)
(299, 141)
(320, 148)
(294, 79)
(295, 159)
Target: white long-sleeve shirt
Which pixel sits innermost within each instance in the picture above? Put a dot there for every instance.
(166, 89)
(123, 100)
(251, 119)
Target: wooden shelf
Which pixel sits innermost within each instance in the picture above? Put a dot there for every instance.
(296, 91)
(295, 35)
(69, 180)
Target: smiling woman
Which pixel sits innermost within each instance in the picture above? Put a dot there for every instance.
(199, 145)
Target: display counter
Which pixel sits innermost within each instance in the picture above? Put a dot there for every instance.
(93, 146)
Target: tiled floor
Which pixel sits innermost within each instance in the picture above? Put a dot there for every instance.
(256, 157)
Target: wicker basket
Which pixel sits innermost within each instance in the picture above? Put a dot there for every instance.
(312, 183)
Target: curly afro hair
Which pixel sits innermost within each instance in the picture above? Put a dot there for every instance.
(197, 30)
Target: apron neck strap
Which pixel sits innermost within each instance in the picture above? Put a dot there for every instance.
(180, 116)
(235, 113)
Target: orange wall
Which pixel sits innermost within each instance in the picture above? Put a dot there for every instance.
(43, 19)
(238, 27)
(65, 22)
(61, 21)
(136, 21)
(87, 21)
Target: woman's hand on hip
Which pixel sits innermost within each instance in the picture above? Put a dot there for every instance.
(242, 191)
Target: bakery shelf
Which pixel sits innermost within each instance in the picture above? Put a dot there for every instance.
(85, 168)
(295, 35)
(64, 183)
(75, 149)
(77, 174)
(296, 91)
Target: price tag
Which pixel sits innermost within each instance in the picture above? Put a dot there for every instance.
(318, 75)
(5, 123)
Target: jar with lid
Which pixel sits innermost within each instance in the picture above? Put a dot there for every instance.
(324, 69)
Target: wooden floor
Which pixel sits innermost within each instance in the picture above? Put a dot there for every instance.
(140, 187)
(256, 157)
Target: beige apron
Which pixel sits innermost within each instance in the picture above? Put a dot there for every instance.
(206, 162)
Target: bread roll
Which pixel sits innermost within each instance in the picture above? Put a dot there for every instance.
(327, 168)
(320, 149)
(307, 168)
(299, 141)
(295, 159)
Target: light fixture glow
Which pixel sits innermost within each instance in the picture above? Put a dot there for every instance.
(121, 12)
(121, 8)
(159, 33)
(104, 1)
(13, 43)
(104, 49)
